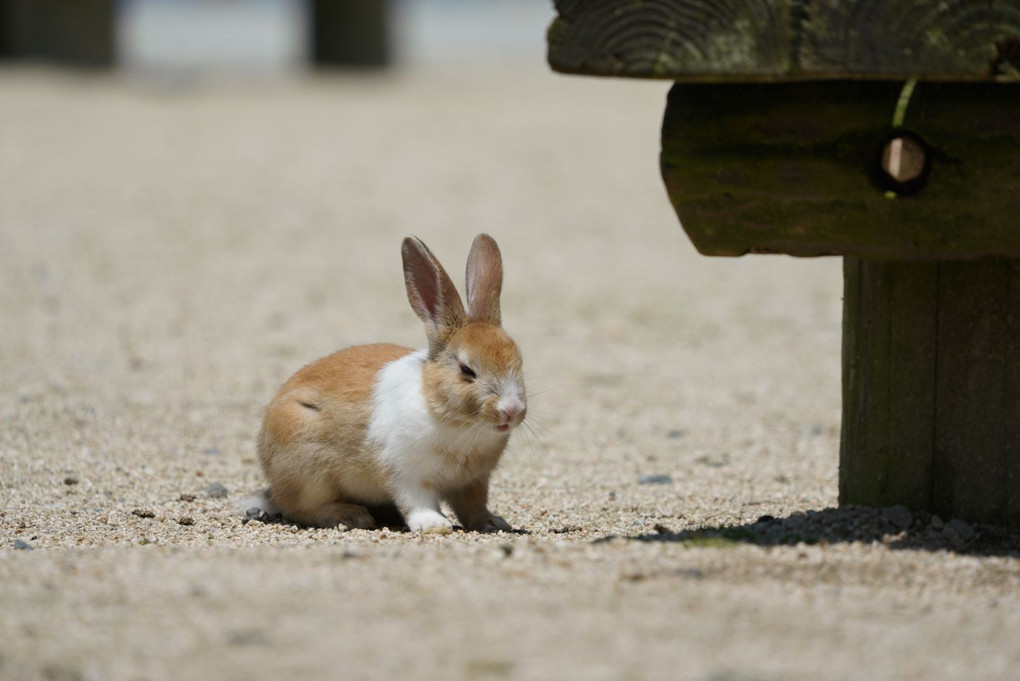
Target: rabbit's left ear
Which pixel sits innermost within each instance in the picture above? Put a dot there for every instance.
(484, 279)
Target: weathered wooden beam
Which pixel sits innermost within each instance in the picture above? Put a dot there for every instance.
(934, 39)
(720, 40)
(672, 38)
(796, 168)
(931, 387)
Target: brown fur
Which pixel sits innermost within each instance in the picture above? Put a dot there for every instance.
(470, 504)
(322, 409)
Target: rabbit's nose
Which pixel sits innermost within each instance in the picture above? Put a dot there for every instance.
(511, 407)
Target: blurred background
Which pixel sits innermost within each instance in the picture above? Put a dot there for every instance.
(271, 37)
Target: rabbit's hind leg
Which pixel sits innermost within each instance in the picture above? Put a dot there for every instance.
(335, 514)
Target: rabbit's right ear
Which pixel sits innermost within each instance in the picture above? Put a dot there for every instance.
(431, 292)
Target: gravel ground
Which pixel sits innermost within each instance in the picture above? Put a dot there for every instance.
(169, 255)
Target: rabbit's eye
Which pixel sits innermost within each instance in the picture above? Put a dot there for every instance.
(467, 372)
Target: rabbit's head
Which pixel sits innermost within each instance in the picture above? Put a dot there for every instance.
(474, 373)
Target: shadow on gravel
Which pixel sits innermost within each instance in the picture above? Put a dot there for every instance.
(895, 527)
(385, 516)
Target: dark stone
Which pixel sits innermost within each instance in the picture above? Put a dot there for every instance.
(655, 480)
(215, 491)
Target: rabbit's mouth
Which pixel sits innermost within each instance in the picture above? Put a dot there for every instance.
(503, 428)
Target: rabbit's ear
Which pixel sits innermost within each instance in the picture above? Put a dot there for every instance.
(430, 291)
(484, 279)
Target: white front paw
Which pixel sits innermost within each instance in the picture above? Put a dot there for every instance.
(431, 522)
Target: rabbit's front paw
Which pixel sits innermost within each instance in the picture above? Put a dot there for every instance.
(491, 524)
(497, 524)
(430, 522)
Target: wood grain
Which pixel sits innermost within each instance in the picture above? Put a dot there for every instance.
(977, 421)
(946, 39)
(890, 315)
(705, 40)
(663, 38)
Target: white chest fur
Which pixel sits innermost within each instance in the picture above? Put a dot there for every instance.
(412, 445)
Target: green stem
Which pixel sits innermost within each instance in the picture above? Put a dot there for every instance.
(902, 102)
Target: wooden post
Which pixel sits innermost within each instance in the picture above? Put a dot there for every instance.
(931, 345)
(890, 319)
(352, 33)
(76, 32)
(931, 387)
(977, 419)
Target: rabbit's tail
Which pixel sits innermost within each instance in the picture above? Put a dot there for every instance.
(258, 505)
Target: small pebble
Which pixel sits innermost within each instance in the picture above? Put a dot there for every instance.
(899, 516)
(70, 480)
(187, 497)
(143, 513)
(693, 572)
(22, 545)
(655, 480)
(961, 529)
(256, 513)
(215, 491)
(247, 637)
(713, 462)
(186, 520)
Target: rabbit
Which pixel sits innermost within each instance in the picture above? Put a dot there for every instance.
(385, 425)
